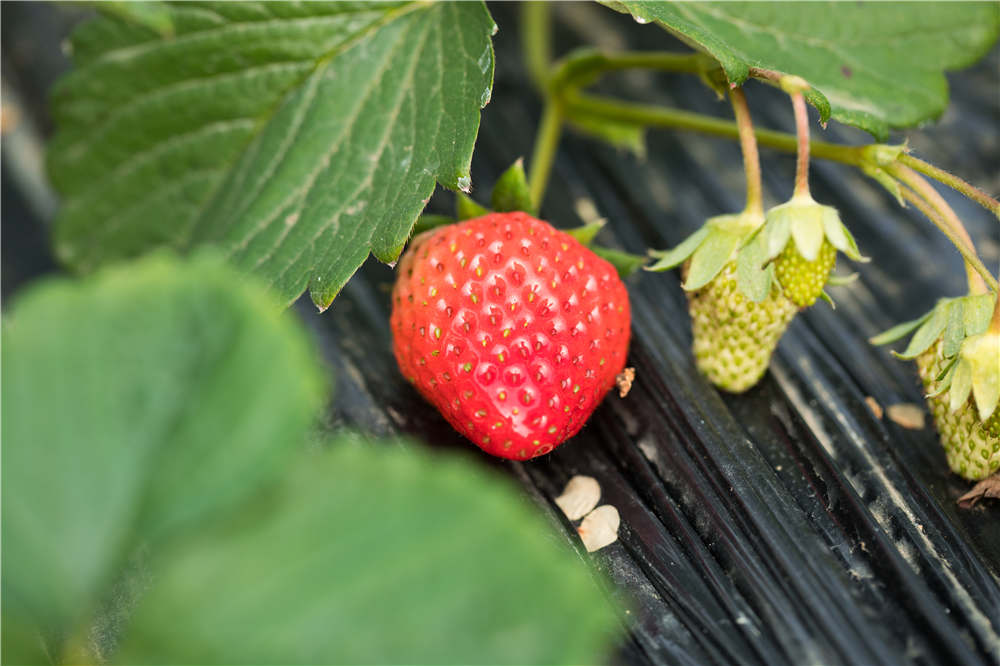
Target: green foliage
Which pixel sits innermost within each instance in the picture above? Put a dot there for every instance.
(375, 556)
(171, 420)
(161, 370)
(871, 65)
(296, 137)
(511, 191)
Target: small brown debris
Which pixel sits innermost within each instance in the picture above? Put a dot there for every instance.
(600, 528)
(579, 497)
(624, 381)
(988, 488)
(874, 406)
(907, 414)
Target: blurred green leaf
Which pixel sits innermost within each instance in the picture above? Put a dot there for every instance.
(141, 401)
(511, 191)
(149, 13)
(375, 555)
(872, 65)
(298, 137)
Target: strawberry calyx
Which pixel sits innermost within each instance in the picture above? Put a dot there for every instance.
(710, 248)
(956, 332)
(801, 237)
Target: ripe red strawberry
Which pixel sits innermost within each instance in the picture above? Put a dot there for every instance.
(512, 329)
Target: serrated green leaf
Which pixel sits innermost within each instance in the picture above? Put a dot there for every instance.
(511, 191)
(297, 137)
(466, 208)
(928, 332)
(624, 263)
(753, 278)
(405, 558)
(899, 330)
(585, 234)
(978, 310)
(954, 330)
(879, 65)
(673, 257)
(182, 368)
(710, 257)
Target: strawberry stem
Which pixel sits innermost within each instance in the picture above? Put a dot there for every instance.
(975, 270)
(952, 181)
(544, 154)
(751, 159)
(536, 42)
(802, 154)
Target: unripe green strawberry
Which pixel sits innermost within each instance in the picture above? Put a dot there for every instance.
(972, 447)
(511, 328)
(734, 337)
(803, 280)
(802, 238)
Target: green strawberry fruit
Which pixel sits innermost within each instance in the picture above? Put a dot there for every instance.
(803, 280)
(734, 336)
(802, 237)
(972, 446)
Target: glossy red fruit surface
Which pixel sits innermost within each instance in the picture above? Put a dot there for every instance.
(511, 328)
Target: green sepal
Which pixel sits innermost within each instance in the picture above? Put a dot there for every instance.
(466, 208)
(429, 221)
(624, 263)
(778, 230)
(954, 330)
(943, 380)
(675, 257)
(710, 258)
(981, 355)
(928, 332)
(961, 385)
(978, 311)
(829, 299)
(839, 235)
(752, 277)
(585, 234)
(900, 330)
(511, 191)
(808, 232)
(842, 280)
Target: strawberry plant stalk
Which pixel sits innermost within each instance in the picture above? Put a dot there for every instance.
(751, 158)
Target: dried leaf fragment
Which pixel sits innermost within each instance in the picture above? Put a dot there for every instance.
(623, 380)
(600, 528)
(579, 497)
(988, 488)
(907, 414)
